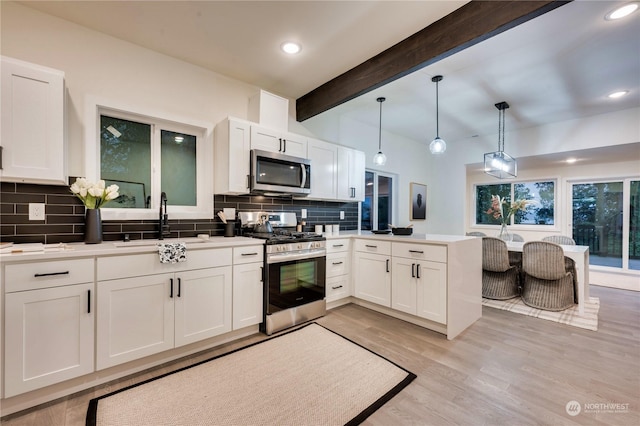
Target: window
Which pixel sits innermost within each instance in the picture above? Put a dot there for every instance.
(539, 211)
(146, 155)
(378, 201)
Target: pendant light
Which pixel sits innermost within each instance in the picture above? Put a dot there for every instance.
(438, 145)
(500, 164)
(380, 159)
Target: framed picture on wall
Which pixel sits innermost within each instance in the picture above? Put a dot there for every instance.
(418, 201)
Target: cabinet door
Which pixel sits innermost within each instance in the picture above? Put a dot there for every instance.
(324, 169)
(351, 167)
(403, 285)
(232, 157)
(135, 318)
(432, 291)
(266, 139)
(49, 337)
(373, 278)
(248, 295)
(32, 123)
(295, 145)
(202, 304)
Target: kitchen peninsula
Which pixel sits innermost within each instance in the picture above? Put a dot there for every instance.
(434, 281)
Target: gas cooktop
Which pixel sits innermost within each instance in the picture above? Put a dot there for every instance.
(281, 236)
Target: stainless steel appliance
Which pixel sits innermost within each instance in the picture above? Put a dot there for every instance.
(295, 271)
(276, 174)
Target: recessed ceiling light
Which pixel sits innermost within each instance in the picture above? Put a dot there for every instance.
(616, 95)
(621, 12)
(571, 160)
(290, 47)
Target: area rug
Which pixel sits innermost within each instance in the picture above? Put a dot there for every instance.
(309, 376)
(569, 316)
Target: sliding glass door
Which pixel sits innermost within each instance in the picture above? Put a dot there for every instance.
(606, 218)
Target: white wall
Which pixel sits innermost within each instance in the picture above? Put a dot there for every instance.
(108, 68)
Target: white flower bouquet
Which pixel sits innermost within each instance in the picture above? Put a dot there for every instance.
(94, 195)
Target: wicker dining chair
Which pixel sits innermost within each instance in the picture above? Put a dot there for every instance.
(500, 279)
(560, 239)
(547, 284)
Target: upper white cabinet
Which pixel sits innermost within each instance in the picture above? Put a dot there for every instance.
(32, 137)
(324, 167)
(350, 174)
(231, 156)
(278, 141)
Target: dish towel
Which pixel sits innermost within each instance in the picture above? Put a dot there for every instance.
(172, 252)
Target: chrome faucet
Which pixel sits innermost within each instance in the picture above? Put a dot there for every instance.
(163, 218)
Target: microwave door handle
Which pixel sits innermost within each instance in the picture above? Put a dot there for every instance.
(304, 175)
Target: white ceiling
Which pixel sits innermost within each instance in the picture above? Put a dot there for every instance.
(556, 67)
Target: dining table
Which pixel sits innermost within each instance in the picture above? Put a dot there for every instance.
(580, 255)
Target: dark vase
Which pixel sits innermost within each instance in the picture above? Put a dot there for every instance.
(92, 227)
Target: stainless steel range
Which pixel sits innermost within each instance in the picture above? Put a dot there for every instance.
(295, 270)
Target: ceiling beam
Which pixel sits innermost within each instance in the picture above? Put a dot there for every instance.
(474, 22)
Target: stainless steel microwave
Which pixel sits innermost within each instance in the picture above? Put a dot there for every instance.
(276, 173)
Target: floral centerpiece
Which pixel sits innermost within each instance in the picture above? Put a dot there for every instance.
(497, 209)
(93, 196)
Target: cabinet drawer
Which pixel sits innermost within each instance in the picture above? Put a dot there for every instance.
(248, 254)
(336, 246)
(36, 275)
(114, 267)
(373, 246)
(337, 264)
(337, 288)
(430, 252)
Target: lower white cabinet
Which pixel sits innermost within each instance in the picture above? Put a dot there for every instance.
(338, 269)
(49, 336)
(420, 288)
(145, 315)
(248, 295)
(372, 278)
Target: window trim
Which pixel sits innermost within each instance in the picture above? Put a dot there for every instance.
(520, 227)
(204, 209)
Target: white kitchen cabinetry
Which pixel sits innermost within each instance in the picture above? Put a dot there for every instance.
(32, 139)
(49, 323)
(372, 271)
(324, 169)
(232, 156)
(248, 286)
(351, 170)
(278, 141)
(338, 270)
(142, 312)
(419, 286)
(269, 110)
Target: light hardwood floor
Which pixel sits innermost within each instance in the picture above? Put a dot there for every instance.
(506, 369)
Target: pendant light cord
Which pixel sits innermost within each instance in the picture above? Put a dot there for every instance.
(380, 100)
(437, 113)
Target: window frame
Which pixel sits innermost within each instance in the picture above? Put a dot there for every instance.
(374, 206)
(512, 225)
(159, 120)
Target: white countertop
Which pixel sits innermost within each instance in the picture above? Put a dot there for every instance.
(110, 248)
(413, 238)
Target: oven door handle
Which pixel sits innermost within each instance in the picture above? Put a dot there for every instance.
(286, 257)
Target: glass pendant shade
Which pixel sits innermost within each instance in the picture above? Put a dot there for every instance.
(380, 159)
(437, 145)
(498, 163)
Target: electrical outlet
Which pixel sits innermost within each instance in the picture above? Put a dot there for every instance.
(341, 215)
(36, 211)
